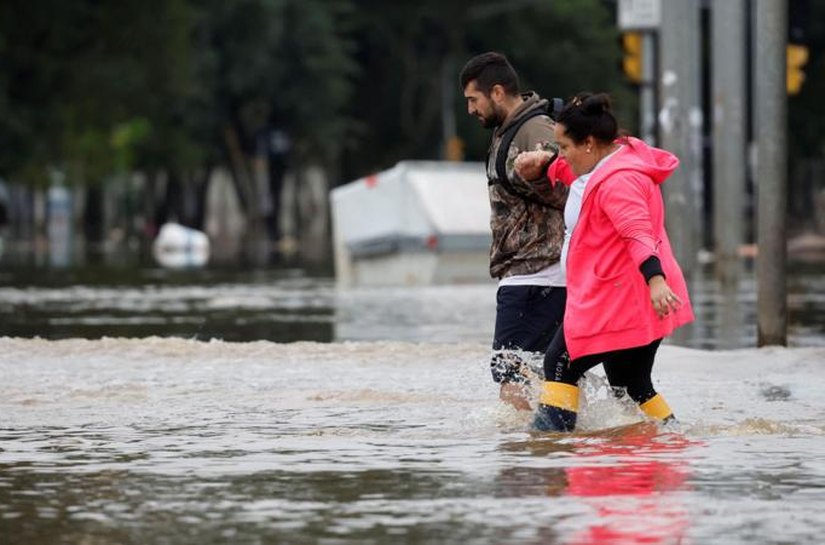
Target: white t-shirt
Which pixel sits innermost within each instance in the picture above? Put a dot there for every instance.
(573, 208)
(550, 276)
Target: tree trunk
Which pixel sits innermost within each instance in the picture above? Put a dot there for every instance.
(93, 215)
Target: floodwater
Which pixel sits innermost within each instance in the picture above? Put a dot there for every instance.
(380, 424)
(292, 304)
(120, 441)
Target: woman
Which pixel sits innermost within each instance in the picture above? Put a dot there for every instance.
(625, 291)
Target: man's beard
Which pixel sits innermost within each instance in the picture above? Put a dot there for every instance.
(495, 119)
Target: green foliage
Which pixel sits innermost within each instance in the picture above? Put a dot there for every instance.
(125, 140)
(266, 64)
(411, 51)
(406, 50)
(75, 71)
(559, 48)
(317, 53)
(95, 88)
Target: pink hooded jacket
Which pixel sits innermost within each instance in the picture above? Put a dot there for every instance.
(621, 224)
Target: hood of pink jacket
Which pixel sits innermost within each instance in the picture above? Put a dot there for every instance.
(638, 156)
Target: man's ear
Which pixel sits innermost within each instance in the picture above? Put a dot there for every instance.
(497, 93)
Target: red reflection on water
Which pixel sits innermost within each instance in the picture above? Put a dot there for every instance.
(635, 497)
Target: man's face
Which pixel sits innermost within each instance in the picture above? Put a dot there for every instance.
(483, 106)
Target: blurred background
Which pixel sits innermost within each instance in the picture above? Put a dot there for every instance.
(236, 120)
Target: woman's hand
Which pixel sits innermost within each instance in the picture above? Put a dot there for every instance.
(663, 299)
(531, 165)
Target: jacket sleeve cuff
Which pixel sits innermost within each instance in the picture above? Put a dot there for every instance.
(560, 171)
(651, 267)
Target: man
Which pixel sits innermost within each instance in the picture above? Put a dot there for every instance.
(526, 221)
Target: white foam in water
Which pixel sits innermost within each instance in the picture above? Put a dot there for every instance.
(600, 408)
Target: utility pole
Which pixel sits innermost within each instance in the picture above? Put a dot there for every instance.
(451, 148)
(729, 99)
(770, 111)
(640, 20)
(680, 123)
(729, 149)
(647, 91)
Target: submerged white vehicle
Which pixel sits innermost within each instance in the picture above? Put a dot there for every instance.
(418, 223)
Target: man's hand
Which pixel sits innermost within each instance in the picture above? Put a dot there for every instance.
(531, 165)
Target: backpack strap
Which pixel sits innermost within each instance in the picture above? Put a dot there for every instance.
(550, 110)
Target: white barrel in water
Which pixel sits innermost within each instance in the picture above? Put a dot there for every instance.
(177, 246)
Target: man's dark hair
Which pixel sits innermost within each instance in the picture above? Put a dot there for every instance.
(487, 70)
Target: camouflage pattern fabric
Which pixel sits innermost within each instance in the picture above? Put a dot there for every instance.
(527, 236)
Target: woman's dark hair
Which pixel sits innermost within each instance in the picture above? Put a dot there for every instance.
(589, 114)
(489, 69)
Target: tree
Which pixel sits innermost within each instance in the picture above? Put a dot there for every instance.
(268, 65)
(77, 75)
(410, 50)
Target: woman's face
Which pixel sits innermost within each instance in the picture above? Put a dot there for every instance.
(578, 156)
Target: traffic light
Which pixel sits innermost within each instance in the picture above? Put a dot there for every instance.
(797, 57)
(632, 60)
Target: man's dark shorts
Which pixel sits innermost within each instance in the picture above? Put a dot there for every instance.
(526, 320)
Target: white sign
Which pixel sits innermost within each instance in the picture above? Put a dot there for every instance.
(640, 14)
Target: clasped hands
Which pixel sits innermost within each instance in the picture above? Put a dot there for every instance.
(531, 165)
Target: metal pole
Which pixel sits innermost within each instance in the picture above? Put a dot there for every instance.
(680, 122)
(728, 38)
(647, 92)
(729, 151)
(728, 21)
(448, 125)
(770, 112)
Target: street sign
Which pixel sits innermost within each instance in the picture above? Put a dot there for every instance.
(640, 14)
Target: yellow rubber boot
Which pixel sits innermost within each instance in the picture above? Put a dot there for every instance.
(656, 407)
(558, 405)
